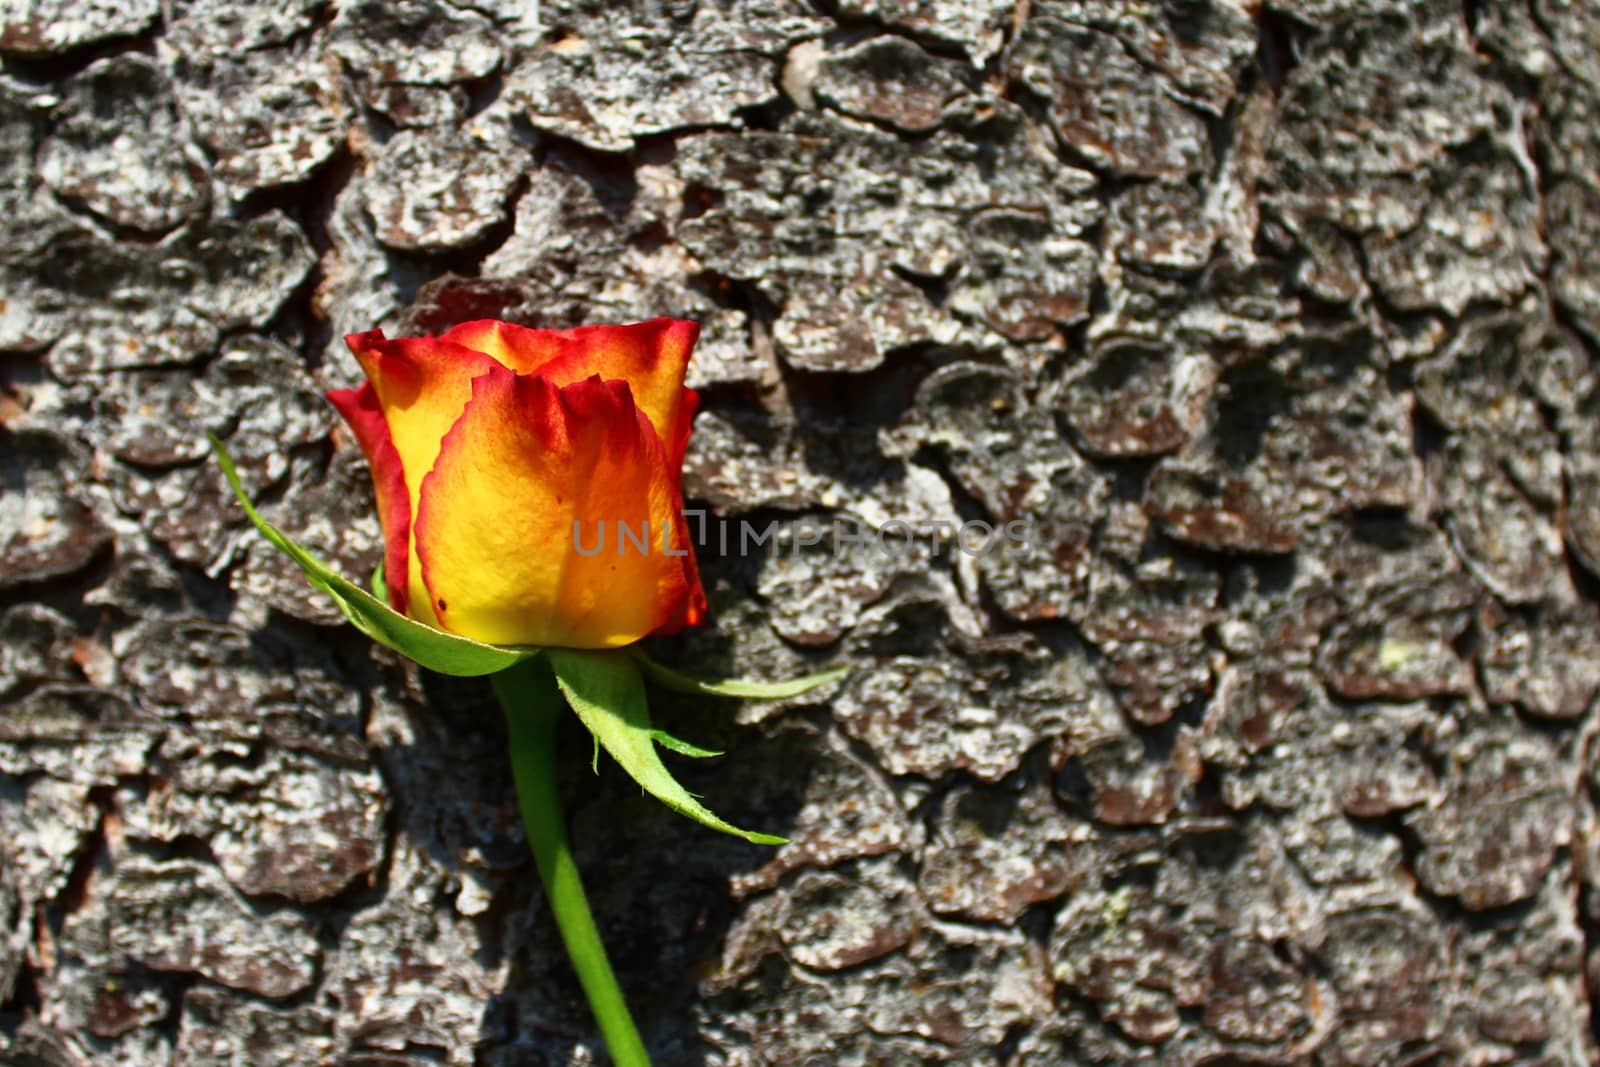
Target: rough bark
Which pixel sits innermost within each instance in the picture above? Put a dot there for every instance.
(1277, 320)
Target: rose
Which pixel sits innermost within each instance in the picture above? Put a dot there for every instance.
(491, 447)
(498, 452)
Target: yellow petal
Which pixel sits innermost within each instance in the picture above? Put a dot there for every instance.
(422, 385)
(495, 528)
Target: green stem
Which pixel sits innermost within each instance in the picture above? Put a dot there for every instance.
(533, 708)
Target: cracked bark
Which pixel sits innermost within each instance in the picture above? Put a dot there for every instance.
(1278, 322)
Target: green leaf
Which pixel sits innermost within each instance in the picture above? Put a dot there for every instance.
(606, 691)
(668, 678)
(376, 584)
(680, 746)
(434, 649)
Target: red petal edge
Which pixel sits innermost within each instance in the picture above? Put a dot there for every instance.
(361, 411)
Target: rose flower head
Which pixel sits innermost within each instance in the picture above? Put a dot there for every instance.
(528, 481)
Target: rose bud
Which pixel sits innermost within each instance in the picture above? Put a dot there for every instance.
(528, 481)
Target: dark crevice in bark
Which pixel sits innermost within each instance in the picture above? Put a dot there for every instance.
(310, 203)
(1277, 51)
(52, 69)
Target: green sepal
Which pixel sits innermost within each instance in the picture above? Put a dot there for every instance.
(607, 692)
(668, 678)
(434, 649)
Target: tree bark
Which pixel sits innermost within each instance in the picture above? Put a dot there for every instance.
(1259, 336)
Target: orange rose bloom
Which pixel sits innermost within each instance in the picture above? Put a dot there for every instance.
(502, 456)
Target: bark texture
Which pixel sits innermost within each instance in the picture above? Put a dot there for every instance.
(1278, 320)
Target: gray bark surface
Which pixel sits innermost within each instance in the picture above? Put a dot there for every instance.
(1278, 319)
